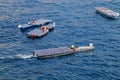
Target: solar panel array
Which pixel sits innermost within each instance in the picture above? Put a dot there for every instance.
(38, 32)
(52, 51)
(42, 21)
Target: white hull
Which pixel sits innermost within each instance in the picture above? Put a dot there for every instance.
(107, 12)
(84, 48)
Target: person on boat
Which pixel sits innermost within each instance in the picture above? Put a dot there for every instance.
(33, 35)
(33, 22)
(73, 47)
(44, 28)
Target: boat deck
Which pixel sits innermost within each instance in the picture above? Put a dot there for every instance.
(42, 21)
(37, 32)
(53, 51)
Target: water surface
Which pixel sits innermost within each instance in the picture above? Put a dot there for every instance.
(76, 23)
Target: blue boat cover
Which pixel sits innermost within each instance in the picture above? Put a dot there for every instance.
(52, 51)
(37, 32)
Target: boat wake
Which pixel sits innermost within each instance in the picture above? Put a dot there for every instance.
(25, 56)
(18, 56)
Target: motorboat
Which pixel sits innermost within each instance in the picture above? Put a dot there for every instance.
(107, 12)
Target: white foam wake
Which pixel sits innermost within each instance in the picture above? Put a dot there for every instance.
(24, 56)
(19, 56)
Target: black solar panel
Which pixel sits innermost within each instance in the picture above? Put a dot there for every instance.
(51, 51)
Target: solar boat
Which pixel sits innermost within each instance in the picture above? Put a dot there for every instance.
(41, 31)
(34, 23)
(63, 50)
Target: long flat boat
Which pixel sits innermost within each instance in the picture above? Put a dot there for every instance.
(38, 32)
(35, 23)
(107, 12)
(64, 50)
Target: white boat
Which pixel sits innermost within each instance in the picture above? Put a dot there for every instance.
(64, 50)
(107, 12)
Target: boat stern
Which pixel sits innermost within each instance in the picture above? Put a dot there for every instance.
(91, 46)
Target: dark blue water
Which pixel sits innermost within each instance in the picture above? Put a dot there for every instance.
(76, 23)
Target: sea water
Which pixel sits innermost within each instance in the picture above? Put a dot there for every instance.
(77, 23)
